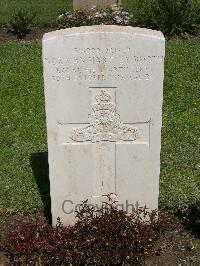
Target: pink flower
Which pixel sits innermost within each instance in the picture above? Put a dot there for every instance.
(61, 16)
(126, 22)
(93, 8)
(115, 7)
(118, 19)
(97, 15)
(117, 12)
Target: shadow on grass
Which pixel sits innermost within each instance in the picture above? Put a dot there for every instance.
(40, 167)
(191, 218)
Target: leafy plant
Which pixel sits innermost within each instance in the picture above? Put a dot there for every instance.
(100, 237)
(20, 22)
(172, 17)
(113, 15)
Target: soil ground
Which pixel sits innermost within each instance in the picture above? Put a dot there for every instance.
(34, 35)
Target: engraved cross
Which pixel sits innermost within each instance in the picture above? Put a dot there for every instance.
(104, 132)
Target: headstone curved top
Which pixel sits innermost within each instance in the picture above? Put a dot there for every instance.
(103, 92)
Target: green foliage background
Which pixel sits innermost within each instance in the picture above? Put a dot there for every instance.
(46, 10)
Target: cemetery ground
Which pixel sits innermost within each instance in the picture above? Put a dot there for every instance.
(24, 169)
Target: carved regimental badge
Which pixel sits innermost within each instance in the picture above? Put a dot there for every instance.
(105, 123)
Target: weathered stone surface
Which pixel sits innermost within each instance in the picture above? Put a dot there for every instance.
(77, 4)
(103, 90)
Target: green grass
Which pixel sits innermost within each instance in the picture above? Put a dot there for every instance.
(23, 131)
(22, 125)
(46, 10)
(180, 181)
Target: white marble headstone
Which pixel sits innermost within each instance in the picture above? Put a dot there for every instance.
(103, 90)
(77, 4)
